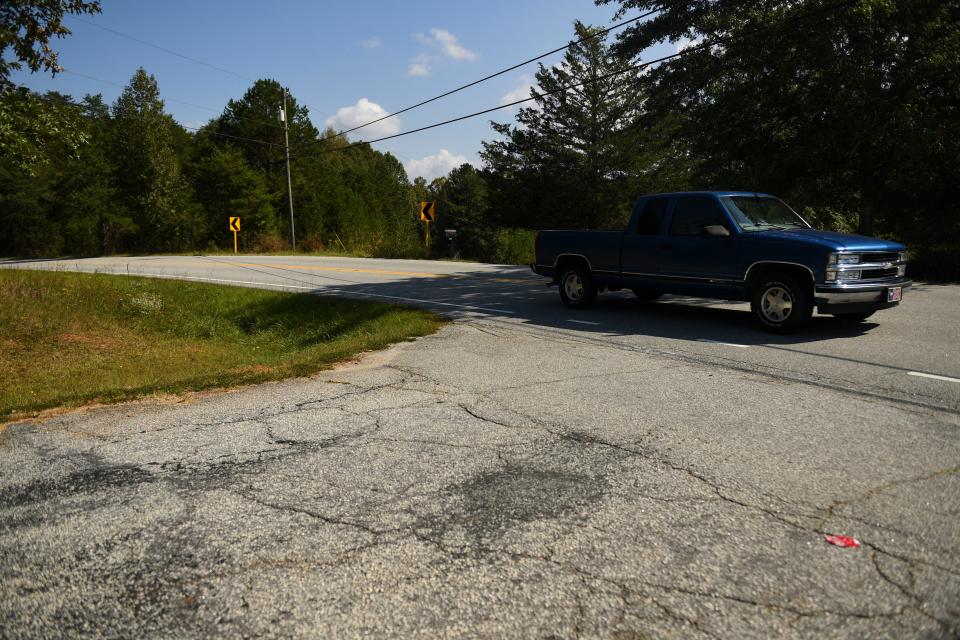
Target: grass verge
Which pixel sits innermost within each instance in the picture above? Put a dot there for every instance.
(68, 339)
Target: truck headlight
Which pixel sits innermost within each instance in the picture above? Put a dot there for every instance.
(843, 258)
(834, 275)
(903, 256)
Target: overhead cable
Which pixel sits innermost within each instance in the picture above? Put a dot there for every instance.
(499, 73)
(167, 99)
(636, 67)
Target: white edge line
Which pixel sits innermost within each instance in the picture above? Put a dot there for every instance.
(933, 376)
(726, 344)
(594, 324)
(320, 289)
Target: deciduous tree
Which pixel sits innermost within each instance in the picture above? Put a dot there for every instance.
(850, 106)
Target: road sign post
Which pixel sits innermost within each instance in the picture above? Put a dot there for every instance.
(235, 227)
(428, 214)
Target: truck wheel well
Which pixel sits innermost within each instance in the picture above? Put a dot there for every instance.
(760, 271)
(568, 260)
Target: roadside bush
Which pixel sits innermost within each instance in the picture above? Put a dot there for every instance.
(830, 220)
(268, 243)
(938, 264)
(312, 244)
(515, 246)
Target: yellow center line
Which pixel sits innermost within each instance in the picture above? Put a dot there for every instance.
(383, 272)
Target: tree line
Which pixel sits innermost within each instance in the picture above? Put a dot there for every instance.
(847, 110)
(140, 182)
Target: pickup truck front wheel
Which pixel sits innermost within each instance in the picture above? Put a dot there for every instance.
(781, 303)
(577, 289)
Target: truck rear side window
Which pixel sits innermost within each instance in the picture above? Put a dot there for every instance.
(652, 216)
(692, 213)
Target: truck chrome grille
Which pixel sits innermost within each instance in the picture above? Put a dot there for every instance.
(876, 274)
(879, 256)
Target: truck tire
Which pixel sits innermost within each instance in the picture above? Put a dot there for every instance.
(853, 318)
(646, 295)
(781, 303)
(577, 289)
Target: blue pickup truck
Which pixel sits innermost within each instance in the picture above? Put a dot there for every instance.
(728, 245)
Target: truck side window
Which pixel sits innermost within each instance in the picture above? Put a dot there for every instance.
(692, 213)
(652, 216)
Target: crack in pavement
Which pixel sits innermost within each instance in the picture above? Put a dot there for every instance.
(718, 489)
(365, 520)
(839, 385)
(883, 487)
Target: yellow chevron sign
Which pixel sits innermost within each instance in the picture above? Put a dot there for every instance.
(428, 212)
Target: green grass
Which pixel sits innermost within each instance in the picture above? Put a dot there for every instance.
(68, 339)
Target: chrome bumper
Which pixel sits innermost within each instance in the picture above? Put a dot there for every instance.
(858, 292)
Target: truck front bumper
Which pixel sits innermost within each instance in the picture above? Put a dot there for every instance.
(856, 297)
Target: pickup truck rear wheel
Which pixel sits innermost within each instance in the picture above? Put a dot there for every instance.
(781, 303)
(577, 289)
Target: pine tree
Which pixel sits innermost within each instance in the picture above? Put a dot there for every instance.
(148, 170)
(565, 161)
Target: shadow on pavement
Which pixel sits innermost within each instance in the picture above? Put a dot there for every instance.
(515, 293)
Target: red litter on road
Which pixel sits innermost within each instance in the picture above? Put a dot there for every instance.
(842, 541)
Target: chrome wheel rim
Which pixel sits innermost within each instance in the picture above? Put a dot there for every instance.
(573, 287)
(776, 304)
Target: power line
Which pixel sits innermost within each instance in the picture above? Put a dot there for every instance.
(636, 67)
(164, 49)
(213, 133)
(179, 55)
(499, 73)
(183, 102)
(231, 136)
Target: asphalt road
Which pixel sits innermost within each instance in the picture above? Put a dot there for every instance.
(636, 470)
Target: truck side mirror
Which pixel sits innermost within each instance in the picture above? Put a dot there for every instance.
(717, 230)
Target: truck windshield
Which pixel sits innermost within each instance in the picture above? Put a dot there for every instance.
(758, 213)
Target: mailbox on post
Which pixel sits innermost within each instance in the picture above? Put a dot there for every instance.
(451, 237)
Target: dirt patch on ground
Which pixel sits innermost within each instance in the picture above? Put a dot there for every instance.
(251, 369)
(371, 359)
(101, 342)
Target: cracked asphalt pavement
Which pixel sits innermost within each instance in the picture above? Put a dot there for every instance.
(648, 471)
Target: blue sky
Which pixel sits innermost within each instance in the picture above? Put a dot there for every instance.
(344, 60)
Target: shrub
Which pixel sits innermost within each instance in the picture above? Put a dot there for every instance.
(312, 244)
(268, 243)
(515, 246)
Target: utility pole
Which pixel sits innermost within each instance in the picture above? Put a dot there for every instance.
(286, 148)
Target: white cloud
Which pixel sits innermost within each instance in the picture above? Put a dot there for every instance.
(441, 39)
(434, 166)
(686, 43)
(420, 66)
(453, 49)
(364, 111)
(520, 93)
(371, 43)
